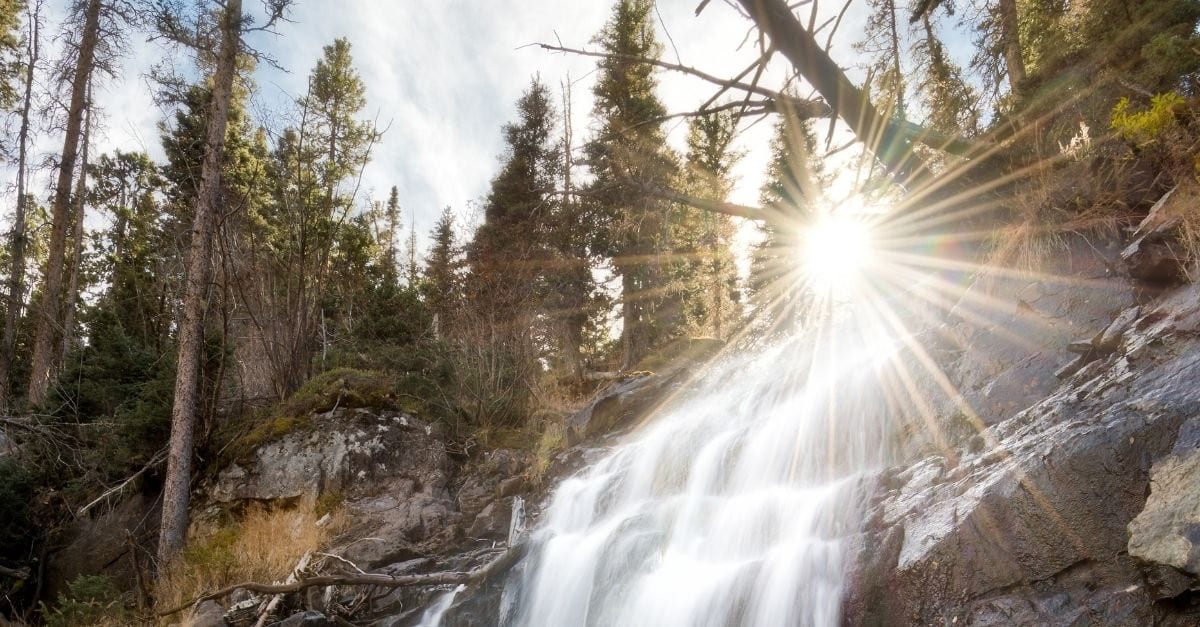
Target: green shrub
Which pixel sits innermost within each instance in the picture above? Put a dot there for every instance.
(1145, 127)
(340, 387)
(89, 600)
(16, 526)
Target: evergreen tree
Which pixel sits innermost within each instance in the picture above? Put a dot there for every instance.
(705, 269)
(51, 308)
(310, 221)
(17, 241)
(177, 484)
(507, 254)
(630, 151)
(389, 242)
(791, 190)
(442, 282)
(950, 103)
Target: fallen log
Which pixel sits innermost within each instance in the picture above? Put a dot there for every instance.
(502, 562)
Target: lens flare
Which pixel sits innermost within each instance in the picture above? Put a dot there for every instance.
(836, 250)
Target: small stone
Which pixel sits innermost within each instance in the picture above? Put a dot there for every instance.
(1081, 347)
(207, 614)
(1110, 339)
(309, 618)
(1073, 367)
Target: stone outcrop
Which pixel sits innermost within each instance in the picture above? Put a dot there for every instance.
(1158, 253)
(1044, 519)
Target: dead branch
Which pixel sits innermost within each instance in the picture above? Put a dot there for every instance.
(158, 458)
(801, 108)
(504, 561)
(15, 573)
(293, 577)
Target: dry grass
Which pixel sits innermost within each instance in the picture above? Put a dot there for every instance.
(1053, 206)
(264, 545)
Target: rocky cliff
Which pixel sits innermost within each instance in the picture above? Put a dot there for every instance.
(1078, 503)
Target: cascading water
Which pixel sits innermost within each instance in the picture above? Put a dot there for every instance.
(729, 508)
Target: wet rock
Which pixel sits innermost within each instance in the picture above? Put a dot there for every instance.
(1008, 352)
(1034, 527)
(618, 406)
(308, 618)
(1166, 533)
(207, 614)
(1158, 257)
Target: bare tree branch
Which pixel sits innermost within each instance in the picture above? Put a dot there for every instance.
(502, 562)
(804, 108)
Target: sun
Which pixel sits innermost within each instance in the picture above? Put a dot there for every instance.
(836, 251)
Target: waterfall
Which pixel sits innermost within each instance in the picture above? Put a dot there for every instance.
(729, 508)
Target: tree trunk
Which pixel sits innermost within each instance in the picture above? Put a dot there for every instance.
(886, 138)
(72, 293)
(49, 317)
(177, 485)
(1011, 36)
(16, 276)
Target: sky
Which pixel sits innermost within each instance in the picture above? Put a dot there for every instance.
(443, 77)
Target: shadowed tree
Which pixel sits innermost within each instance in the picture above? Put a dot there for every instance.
(630, 146)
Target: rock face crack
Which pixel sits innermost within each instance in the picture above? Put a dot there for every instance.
(1081, 508)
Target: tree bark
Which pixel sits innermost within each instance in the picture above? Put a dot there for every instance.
(886, 138)
(16, 276)
(72, 293)
(177, 485)
(1010, 33)
(52, 285)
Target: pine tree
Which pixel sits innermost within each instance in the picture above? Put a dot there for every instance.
(791, 189)
(390, 242)
(631, 146)
(177, 484)
(49, 316)
(442, 277)
(705, 265)
(17, 241)
(950, 102)
(310, 219)
(507, 253)
(12, 53)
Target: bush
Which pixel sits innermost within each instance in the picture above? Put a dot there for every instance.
(89, 600)
(1145, 127)
(16, 525)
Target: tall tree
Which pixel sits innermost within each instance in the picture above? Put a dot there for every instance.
(71, 295)
(442, 281)
(572, 301)
(16, 276)
(390, 240)
(50, 314)
(791, 187)
(705, 263)
(506, 252)
(177, 483)
(631, 146)
(316, 165)
(950, 102)
(12, 52)
(138, 248)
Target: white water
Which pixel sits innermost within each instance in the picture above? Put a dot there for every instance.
(728, 508)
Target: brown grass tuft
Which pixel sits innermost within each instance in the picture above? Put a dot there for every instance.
(263, 546)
